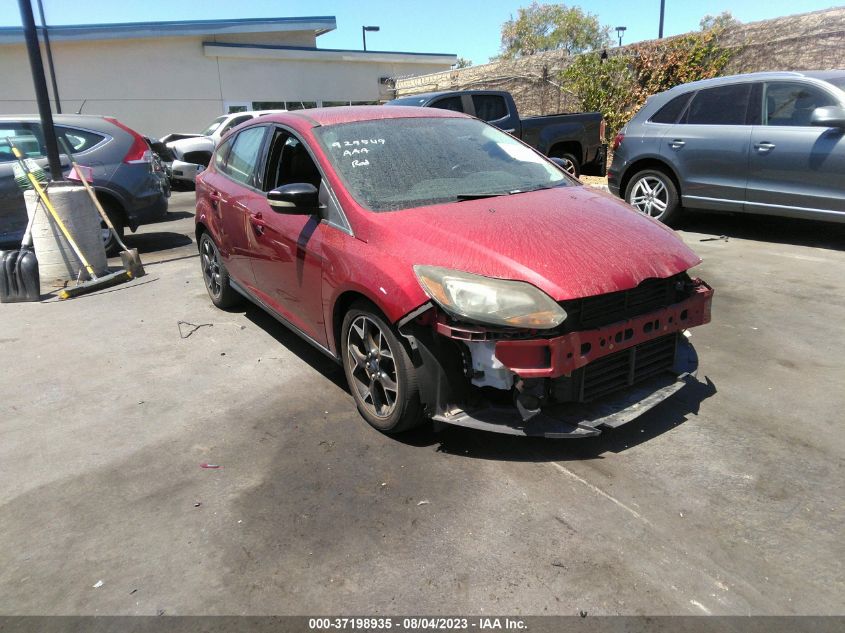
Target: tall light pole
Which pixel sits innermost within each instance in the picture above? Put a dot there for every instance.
(42, 97)
(50, 58)
(364, 30)
(620, 31)
(662, 11)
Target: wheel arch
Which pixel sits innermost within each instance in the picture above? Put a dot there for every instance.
(568, 147)
(341, 306)
(112, 202)
(648, 163)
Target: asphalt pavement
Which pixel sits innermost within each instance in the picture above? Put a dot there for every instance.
(147, 470)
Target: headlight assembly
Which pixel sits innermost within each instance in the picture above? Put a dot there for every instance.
(488, 300)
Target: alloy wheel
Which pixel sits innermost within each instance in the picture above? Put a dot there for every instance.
(372, 366)
(569, 167)
(210, 257)
(650, 196)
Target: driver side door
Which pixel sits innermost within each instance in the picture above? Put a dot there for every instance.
(287, 255)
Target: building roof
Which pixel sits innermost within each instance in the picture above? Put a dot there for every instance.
(180, 28)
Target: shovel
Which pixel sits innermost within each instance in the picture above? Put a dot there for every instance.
(19, 278)
(128, 256)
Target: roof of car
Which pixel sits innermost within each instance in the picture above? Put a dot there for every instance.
(353, 114)
(760, 76)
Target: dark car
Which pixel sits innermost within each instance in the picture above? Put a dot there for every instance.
(576, 139)
(128, 183)
(474, 282)
(771, 143)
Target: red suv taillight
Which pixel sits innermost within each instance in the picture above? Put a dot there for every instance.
(618, 141)
(139, 151)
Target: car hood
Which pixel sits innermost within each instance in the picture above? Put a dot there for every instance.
(570, 242)
(191, 144)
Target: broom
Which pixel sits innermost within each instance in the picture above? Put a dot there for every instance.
(129, 256)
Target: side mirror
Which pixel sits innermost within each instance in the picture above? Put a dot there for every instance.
(298, 198)
(828, 116)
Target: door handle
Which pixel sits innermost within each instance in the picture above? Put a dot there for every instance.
(764, 147)
(677, 144)
(258, 223)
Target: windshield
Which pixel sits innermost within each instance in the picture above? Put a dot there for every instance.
(399, 163)
(214, 125)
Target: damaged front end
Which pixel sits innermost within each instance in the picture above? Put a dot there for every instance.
(613, 358)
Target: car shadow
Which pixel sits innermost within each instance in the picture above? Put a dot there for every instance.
(475, 444)
(294, 343)
(156, 241)
(765, 228)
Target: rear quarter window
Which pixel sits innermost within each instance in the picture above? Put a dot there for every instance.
(670, 112)
(79, 140)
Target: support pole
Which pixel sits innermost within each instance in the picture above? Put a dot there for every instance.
(50, 58)
(41, 95)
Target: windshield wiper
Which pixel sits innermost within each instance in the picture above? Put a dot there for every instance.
(479, 196)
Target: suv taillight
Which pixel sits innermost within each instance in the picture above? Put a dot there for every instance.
(602, 129)
(618, 141)
(139, 151)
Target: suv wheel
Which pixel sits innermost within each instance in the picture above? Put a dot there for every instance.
(381, 376)
(652, 193)
(215, 275)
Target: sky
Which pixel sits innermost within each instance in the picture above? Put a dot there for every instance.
(467, 28)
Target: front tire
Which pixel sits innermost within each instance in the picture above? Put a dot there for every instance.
(215, 275)
(379, 371)
(653, 193)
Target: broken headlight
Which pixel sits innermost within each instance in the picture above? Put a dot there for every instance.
(488, 300)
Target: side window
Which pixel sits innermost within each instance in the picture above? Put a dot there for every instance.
(26, 137)
(670, 112)
(79, 140)
(489, 107)
(449, 103)
(789, 103)
(725, 105)
(220, 155)
(288, 162)
(243, 157)
(234, 123)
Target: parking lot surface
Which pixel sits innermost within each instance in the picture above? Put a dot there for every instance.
(726, 499)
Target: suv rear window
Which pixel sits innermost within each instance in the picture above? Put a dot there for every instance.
(672, 110)
(723, 105)
(79, 140)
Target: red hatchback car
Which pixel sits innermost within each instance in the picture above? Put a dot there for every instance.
(456, 273)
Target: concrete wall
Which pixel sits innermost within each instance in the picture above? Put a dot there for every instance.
(798, 42)
(170, 84)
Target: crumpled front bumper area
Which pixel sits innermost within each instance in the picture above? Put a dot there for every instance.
(581, 381)
(586, 419)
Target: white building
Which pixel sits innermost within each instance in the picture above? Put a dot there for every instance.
(161, 77)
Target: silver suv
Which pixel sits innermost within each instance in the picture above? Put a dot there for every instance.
(770, 143)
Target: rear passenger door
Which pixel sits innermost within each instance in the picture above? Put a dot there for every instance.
(795, 168)
(709, 147)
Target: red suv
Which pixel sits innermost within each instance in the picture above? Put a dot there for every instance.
(456, 273)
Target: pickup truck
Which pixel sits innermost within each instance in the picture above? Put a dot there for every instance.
(576, 139)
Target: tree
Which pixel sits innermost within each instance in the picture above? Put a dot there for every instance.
(462, 62)
(546, 27)
(722, 21)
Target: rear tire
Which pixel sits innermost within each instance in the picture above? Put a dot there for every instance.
(215, 275)
(379, 371)
(653, 193)
(109, 241)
